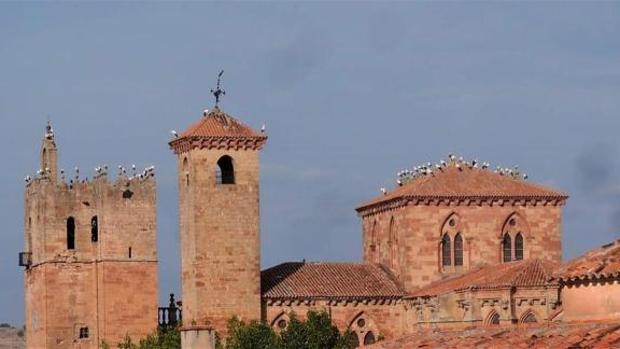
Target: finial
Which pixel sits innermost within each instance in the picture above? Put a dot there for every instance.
(49, 131)
(218, 91)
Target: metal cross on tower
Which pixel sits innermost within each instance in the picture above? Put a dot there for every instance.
(218, 91)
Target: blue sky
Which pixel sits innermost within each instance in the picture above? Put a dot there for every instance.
(350, 92)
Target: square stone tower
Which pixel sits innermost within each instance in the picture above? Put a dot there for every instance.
(218, 180)
(89, 246)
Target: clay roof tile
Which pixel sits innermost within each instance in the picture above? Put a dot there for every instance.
(217, 129)
(300, 280)
(525, 273)
(466, 182)
(552, 335)
(597, 263)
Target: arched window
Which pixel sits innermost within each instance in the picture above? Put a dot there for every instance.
(225, 172)
(393, 243)
(514, 250)
(70, 233)
(519, 247)
(507, 246)
(458, 249)
(94, 229)
(360, 327)
(446, 259)
(369, 338)
(494, 319)
(373, 237)
(529, 318)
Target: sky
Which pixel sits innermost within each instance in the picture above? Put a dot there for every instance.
(350, 93)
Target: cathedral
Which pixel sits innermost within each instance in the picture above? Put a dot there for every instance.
(454, 245)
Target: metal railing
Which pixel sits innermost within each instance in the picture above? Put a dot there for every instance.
(171, 315)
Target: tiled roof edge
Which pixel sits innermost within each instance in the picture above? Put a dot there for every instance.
(402, 200)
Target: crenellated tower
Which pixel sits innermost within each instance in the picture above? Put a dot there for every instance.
(218, 180)
(86, 244)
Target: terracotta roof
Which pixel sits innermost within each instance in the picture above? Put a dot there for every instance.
(549, 336)
(599, 263)
(461, 181)
(525, 273)
(218, 129)
(298, 280)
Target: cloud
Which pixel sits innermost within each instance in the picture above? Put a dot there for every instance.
(597, 170)
(598, 183)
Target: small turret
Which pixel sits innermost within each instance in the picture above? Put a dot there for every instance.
(49, 155)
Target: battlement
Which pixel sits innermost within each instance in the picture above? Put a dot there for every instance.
(100, 178)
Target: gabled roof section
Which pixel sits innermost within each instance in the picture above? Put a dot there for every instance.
(525, 273)
(332, 281)
(462, 180)
(217, 129)
(603, 262)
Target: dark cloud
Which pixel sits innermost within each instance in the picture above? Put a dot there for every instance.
(597, 169)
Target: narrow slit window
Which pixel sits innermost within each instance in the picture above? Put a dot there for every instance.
(94, 229)
(70, 233)
(507, 245)
(458, 250)
(129, 253)
(186, 171)
(519, 247)
(446, 250)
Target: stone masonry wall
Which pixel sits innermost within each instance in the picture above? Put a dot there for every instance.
(412, 249)
(387, 319)
(92, 285)
(220, 238)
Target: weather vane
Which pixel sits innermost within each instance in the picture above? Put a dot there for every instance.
(218, 91)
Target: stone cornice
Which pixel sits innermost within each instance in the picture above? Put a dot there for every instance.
(332, 301)
(185, 144)
(460, 201)
(96, 261)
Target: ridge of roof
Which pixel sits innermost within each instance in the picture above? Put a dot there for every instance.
(599, 263)
(465, 180)
(327, 280)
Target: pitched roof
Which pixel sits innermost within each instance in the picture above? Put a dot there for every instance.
(216, 123)
(456, 180)
(552, 335)
(598, 263)
(218, 129)
(343, 281)
(525, 273)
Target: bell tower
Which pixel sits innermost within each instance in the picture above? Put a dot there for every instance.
(218, 182)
